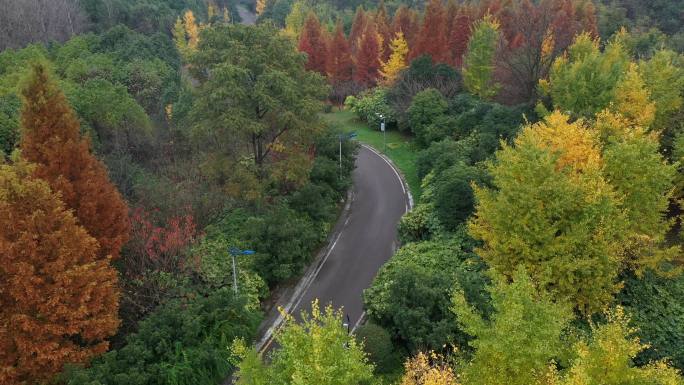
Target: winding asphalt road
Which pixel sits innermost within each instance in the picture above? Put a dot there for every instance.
(364, 238)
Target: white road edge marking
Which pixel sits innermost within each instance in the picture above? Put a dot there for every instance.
(406, 191)
(297, 297)
(358, 322)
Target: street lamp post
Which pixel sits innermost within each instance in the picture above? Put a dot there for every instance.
(382, 128)
(234, 252)
(350, 135)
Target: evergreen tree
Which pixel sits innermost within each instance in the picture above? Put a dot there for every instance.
(51, 139)
(59, 299)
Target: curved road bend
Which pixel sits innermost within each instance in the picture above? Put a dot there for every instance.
(363, 240)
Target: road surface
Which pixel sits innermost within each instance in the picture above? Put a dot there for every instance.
(247, 17)
(364, 238)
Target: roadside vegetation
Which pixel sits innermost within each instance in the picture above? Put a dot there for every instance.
(141, 141)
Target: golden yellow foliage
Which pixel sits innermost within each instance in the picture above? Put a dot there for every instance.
(574, 144)
(211, 11)
(260, 6)
(428, 369)
(397, 60)
(191, 30)
(548, 45)
(632, 99)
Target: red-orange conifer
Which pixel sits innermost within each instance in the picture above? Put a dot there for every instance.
(340, 64)
(51, 140)
(58, 299)
(368, 57)
(459, 35)
(384, 30)
(406, 22)
(432, 38)
(357, 29)
(312, 42)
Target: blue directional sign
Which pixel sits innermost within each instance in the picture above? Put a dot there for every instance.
(350, 135)
(236, 251)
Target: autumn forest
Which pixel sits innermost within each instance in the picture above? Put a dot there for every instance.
(171, 171)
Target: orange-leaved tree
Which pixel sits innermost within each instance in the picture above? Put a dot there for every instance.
(58, 299)
(51, 140)
(368, 57)
(357, 28)
(312, 42)
(432, 37)
(382, 25)
(340, 64)
(406, 22)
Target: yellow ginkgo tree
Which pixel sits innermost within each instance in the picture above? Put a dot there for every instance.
(397, 61)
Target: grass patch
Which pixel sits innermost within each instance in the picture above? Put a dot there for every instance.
(400, 148)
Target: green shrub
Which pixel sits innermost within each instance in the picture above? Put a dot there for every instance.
(9, 123)
(426, 117)
(284, 241)
(378, 345)
(453, 197)
(369, 105)
(442, 155)
(657, 310)
(411, 295)
(183, 343)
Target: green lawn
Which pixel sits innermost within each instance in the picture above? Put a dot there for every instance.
(400, 148)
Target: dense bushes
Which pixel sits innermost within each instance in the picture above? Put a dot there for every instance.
(656, 308)
(184, 342)
(377, 343)
(410, 297)
(427, 117)
(421, 75)
(369, 105)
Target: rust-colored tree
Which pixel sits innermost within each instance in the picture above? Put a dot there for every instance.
(58, 299)
(384, 31)
(368, 57)
(312, 42)
(431, 39)
(357, 29)
(451, 12)
(406, 22)
(459, 35)
(51, 140)
(340, 64)
(535, 33)
(159, 247)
